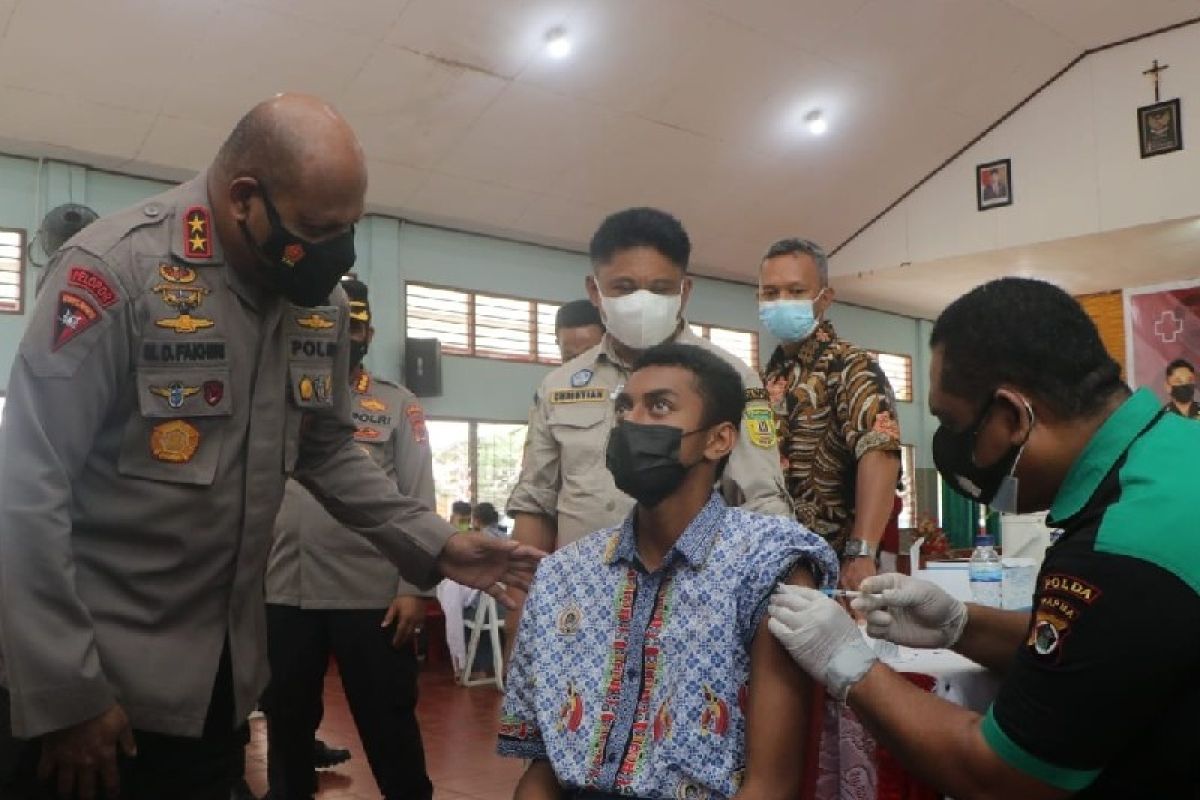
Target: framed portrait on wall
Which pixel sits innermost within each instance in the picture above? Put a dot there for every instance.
(993, 184)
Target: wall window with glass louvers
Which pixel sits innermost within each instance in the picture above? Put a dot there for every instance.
(470, 323)
(486, 325)
(743, 344)
(898, 369)
(12, 272)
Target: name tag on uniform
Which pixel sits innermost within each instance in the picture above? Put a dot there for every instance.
(592, 395)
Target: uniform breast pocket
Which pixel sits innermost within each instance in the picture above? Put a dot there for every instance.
(176, 434)
(581, 430)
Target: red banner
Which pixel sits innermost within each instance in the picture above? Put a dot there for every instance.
(1162, 323)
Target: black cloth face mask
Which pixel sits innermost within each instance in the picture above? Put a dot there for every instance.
(954, 458)
(358, 351)
(1183, 392)
(304, 272)
(644, 460)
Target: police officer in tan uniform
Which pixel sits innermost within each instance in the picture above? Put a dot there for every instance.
(641, 287)
(328, 591)
(178, 366)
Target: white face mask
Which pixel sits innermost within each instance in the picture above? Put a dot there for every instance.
(641, 319)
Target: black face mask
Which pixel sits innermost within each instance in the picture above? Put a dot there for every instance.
(1183, 392)
(954, 458)
(302, 271)
(644, 460)
(358, 351)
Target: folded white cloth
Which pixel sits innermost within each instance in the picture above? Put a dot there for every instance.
(454, 597)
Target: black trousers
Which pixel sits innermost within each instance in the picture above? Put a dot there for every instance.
(176, 767)
(381, 687)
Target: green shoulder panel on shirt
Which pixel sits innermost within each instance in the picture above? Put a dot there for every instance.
(1155, 518)
(1011, 753)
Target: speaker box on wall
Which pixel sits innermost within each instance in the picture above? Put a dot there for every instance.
(423, 367)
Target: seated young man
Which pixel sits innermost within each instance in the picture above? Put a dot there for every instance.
(643, 666)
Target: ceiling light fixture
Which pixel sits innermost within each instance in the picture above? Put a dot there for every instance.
(557, 43)
(816, 122)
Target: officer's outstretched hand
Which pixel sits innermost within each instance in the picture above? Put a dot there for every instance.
(910, 611)
(83, 758)
(490, 564)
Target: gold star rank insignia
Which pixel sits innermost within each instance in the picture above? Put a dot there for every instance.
(197, 237)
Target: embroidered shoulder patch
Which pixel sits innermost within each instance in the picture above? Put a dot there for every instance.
(416, 419)
(93, 284)
(75, 315)
(760, 425)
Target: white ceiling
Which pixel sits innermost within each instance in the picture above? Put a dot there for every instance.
(692, 105)
(1158, 253)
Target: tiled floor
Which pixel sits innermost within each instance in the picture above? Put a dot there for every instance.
(459, 729)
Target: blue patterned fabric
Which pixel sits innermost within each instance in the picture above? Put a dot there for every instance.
(635, 682)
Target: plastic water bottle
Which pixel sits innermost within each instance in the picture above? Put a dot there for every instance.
(986, 572)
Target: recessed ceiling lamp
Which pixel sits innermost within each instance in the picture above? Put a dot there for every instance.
(816, 122)
(557, 43)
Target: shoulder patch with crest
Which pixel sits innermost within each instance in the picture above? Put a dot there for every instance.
(760, 424)
(75, 315)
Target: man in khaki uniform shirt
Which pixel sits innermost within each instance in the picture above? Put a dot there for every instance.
(328, 591)
(640, 284)
(163, 392)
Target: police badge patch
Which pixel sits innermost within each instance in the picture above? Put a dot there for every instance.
(581, 378)
(75, 315)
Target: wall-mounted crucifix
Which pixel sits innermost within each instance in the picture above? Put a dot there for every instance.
(1156, 72)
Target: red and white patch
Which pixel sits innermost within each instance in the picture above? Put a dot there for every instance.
(75, 315)
(293, 254)
(416, 420)
(93, 284)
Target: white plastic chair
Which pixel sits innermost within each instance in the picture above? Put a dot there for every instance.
(486, 620)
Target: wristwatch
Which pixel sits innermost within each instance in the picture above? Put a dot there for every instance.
(857, 548)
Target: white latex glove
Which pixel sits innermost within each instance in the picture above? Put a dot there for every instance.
(909, 611)
(821, 637)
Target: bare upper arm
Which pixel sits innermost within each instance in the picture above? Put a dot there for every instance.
(780, 702)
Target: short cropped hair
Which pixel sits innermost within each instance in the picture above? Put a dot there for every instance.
(719, 385)
(577, 314)
(1179, 363)
(1030, 334)
(641, 227)
(794, 247)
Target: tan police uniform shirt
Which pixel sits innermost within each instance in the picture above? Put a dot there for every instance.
(156, 407)
(316, 563)
(564, 475)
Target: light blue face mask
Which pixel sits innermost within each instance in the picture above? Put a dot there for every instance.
(788, 320)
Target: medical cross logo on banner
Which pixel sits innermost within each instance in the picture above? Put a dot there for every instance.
(1168, 327)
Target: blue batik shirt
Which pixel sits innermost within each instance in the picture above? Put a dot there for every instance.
(635, 682)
